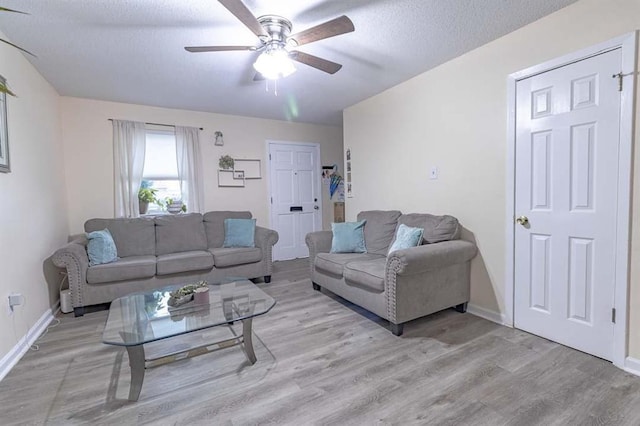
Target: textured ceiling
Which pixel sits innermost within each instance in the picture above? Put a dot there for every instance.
(132, 50)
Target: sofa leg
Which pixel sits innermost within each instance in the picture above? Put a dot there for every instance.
(397, 329)
(462, 308)
(267, 279)
(78, 312)
(316, 287)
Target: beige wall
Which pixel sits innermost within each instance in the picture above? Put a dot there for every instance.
(88, 154)
(33, 216)
(454, 117)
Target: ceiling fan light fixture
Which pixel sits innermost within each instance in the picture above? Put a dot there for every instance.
(274, 63)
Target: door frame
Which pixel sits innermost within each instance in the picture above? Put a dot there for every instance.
(628, 45)
(315, 145)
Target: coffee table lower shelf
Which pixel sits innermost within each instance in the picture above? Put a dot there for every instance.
(139, 363)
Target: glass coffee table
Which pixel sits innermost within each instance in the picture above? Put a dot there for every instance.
(141, 318)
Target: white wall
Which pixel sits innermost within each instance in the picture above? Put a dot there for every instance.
(88, 153)
(33, 212)
(454, 117)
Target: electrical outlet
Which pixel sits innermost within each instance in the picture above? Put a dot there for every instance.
(434, 173)
(15, 299)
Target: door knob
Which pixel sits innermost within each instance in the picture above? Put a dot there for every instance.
(523, 220)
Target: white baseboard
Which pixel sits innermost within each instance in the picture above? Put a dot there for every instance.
(11, 359)
(492, 316)
(632, 365)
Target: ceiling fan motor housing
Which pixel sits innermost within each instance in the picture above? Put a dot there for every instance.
(277, 27)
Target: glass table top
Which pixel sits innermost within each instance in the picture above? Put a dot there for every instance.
(145, 317)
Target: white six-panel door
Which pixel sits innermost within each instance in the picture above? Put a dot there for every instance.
(567, 142)
(295, 196)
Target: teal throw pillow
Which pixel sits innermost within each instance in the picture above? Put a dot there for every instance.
(239, 233)
(101, 248)
(348, 237)
(406, 237)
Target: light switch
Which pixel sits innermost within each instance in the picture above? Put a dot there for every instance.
(434, 173)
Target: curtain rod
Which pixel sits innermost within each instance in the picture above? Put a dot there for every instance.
(159, 124)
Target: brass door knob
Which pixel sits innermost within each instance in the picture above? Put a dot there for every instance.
(522, 220)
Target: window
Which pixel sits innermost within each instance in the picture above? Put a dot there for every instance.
(161, 168)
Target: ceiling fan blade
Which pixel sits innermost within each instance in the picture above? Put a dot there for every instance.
(315, 62)
(198, 49)
(331, 28)
(258, 77)
(245, 16)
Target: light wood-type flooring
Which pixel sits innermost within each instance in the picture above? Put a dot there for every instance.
(322, 360)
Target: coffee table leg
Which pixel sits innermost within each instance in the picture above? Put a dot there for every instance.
(136, 362)
(248, 340)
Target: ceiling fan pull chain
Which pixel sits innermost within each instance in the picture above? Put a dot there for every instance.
(275, 87)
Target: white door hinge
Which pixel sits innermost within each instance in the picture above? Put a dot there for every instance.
(613, 315)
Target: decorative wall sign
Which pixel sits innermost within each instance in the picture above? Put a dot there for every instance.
(4, 133)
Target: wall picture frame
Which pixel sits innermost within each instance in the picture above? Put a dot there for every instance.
(226, 178)
(252, 168)
(5, 166)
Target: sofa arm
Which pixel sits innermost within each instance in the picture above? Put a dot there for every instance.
(266, 238)
(318, 242)
(73, 257)
(430, 257)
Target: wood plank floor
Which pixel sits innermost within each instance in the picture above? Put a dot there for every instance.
(322, 360)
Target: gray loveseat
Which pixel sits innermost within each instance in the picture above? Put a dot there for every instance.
(405, 285)
(159, 251)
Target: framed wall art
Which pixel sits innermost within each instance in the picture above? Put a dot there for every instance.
(4, 132)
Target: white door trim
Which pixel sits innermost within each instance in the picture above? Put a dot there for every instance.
(627, 43)
(268, 144)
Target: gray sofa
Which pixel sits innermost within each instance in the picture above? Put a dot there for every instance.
(406, 284)
(159, 251)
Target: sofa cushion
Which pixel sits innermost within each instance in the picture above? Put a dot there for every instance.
(436, 228)
(239, 233)
(101, 248)
(406, 237)
(214, 225)
(334, 262)
(380, 229)
(224, 257)
(185, 261)
(179, 233)
(133, 237)
(125, 268)
(368, 274)
(348, 237)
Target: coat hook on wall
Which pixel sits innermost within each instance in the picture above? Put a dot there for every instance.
(219, 141)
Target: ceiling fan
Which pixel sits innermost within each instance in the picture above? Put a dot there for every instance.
(277, 43)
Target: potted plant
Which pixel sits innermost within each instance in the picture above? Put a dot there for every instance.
(226, 162)
(175, 206)
(146, 195)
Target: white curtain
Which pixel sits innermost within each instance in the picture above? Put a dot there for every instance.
(129, 140)
(190, 168)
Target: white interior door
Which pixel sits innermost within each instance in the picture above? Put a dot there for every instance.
(567, 142)
(294, 172)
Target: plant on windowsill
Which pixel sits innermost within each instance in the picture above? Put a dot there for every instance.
(146, 195)
(175, 207)
(226, 162)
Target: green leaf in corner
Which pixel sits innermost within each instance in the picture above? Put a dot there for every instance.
(5, 9)
(5, 89)
(18, 47)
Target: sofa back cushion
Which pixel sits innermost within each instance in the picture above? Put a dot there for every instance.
(436, 228)
(179, 233)
(379, 230)
(214, 225)
(133, 237)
